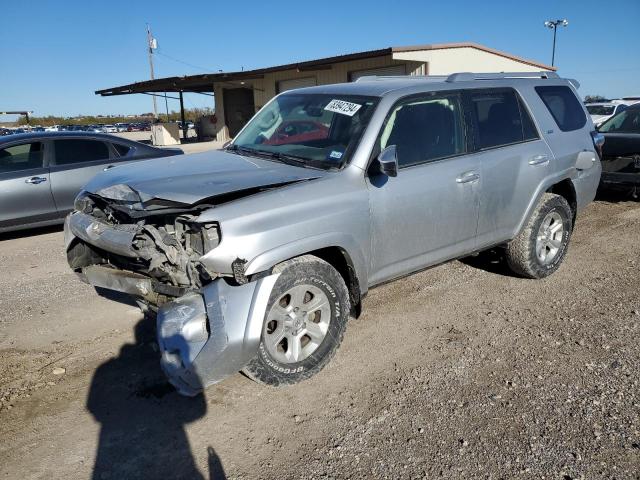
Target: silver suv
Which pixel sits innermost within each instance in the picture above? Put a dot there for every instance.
(255, 257)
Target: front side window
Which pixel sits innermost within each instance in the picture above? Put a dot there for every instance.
(318, 130)
(627, 121)
(71, 151)
(425, 129)
(21, 157)
(501, 119)
(564, 107)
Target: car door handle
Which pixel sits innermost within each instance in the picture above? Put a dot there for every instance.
(468, 177)
(107, 167)
(35, 180)
(539, 160)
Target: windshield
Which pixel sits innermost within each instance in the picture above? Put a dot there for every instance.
(316, 130)
(600, 109)
(627, 121)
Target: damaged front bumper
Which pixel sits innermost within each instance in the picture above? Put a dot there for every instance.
(205, 334)
(206, 337)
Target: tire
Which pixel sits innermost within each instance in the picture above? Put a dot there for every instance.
(523, 258)
(313, 292)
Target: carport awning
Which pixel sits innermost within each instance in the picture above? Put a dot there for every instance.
(192, 83)
(204, 82)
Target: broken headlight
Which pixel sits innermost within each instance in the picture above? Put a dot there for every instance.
(83, 203)
(199, 238)
(120, 192)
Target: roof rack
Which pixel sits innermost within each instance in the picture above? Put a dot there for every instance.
(423, 78)
(469, 77)
(459, 77)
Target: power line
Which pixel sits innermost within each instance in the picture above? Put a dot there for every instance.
(197, 67)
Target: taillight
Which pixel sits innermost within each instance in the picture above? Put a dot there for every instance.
(598, 142)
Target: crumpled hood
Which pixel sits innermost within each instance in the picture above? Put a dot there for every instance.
(189, 179)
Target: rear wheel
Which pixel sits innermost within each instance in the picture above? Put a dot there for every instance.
(304, 323)
(540, 247)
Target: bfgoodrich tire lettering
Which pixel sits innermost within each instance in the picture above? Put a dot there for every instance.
(314, 280)
(541, 246)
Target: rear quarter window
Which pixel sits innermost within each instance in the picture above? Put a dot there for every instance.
(563, 106)
(122, 150)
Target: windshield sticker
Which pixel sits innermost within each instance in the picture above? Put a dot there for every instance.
(345, 108)
(335, 154)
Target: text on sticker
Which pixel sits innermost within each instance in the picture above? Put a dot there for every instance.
(345, 108)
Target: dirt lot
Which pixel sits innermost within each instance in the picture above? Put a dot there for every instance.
(462, 371)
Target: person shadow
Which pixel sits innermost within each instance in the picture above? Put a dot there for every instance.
(142, 418)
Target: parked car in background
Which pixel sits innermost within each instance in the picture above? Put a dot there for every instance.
(122, 127)
(110, 129)
(94, 128)
(257, 255)
(297, 131)
(41, 173)
(621, 151)
(601, 112)
(138, 127)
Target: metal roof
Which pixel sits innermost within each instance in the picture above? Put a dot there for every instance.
(204, 82)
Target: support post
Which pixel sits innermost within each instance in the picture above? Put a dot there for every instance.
(553, 52)
(184, 124)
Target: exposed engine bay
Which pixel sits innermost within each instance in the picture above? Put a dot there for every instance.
(163, 242)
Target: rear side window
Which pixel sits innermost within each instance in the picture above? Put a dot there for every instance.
(501, 119)
(74, 151)
(21, 157)
(425, 129)
(564, 107)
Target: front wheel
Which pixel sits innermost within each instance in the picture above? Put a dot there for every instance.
(304, 323)
(540, 247)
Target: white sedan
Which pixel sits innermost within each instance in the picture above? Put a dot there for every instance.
(601, 112)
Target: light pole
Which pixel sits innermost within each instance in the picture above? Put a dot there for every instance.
(553, 24)
(152, 44)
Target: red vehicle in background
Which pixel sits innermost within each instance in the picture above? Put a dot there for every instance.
(298, 131)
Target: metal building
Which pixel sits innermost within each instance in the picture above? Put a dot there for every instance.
(238, 95)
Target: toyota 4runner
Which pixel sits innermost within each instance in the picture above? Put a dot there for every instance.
(255, 256)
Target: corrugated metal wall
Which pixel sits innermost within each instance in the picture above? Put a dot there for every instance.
(338, 73)
(264, 89)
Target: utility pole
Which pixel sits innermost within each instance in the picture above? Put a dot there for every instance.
(553, 24)
(152, 44)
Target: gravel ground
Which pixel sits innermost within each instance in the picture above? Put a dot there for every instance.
(461, 371)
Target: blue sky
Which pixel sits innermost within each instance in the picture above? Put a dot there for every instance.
(56, 53)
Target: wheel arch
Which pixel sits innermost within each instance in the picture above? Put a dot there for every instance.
(560, 185)
(567, 190)
(340, 251)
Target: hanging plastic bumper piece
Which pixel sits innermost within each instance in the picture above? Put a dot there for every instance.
(206, 337)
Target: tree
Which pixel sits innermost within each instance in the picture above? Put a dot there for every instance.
(594, 99)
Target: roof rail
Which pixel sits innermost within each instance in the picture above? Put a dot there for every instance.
(469, 77)
(424, 78)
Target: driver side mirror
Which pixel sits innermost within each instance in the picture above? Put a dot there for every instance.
(388, 161)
